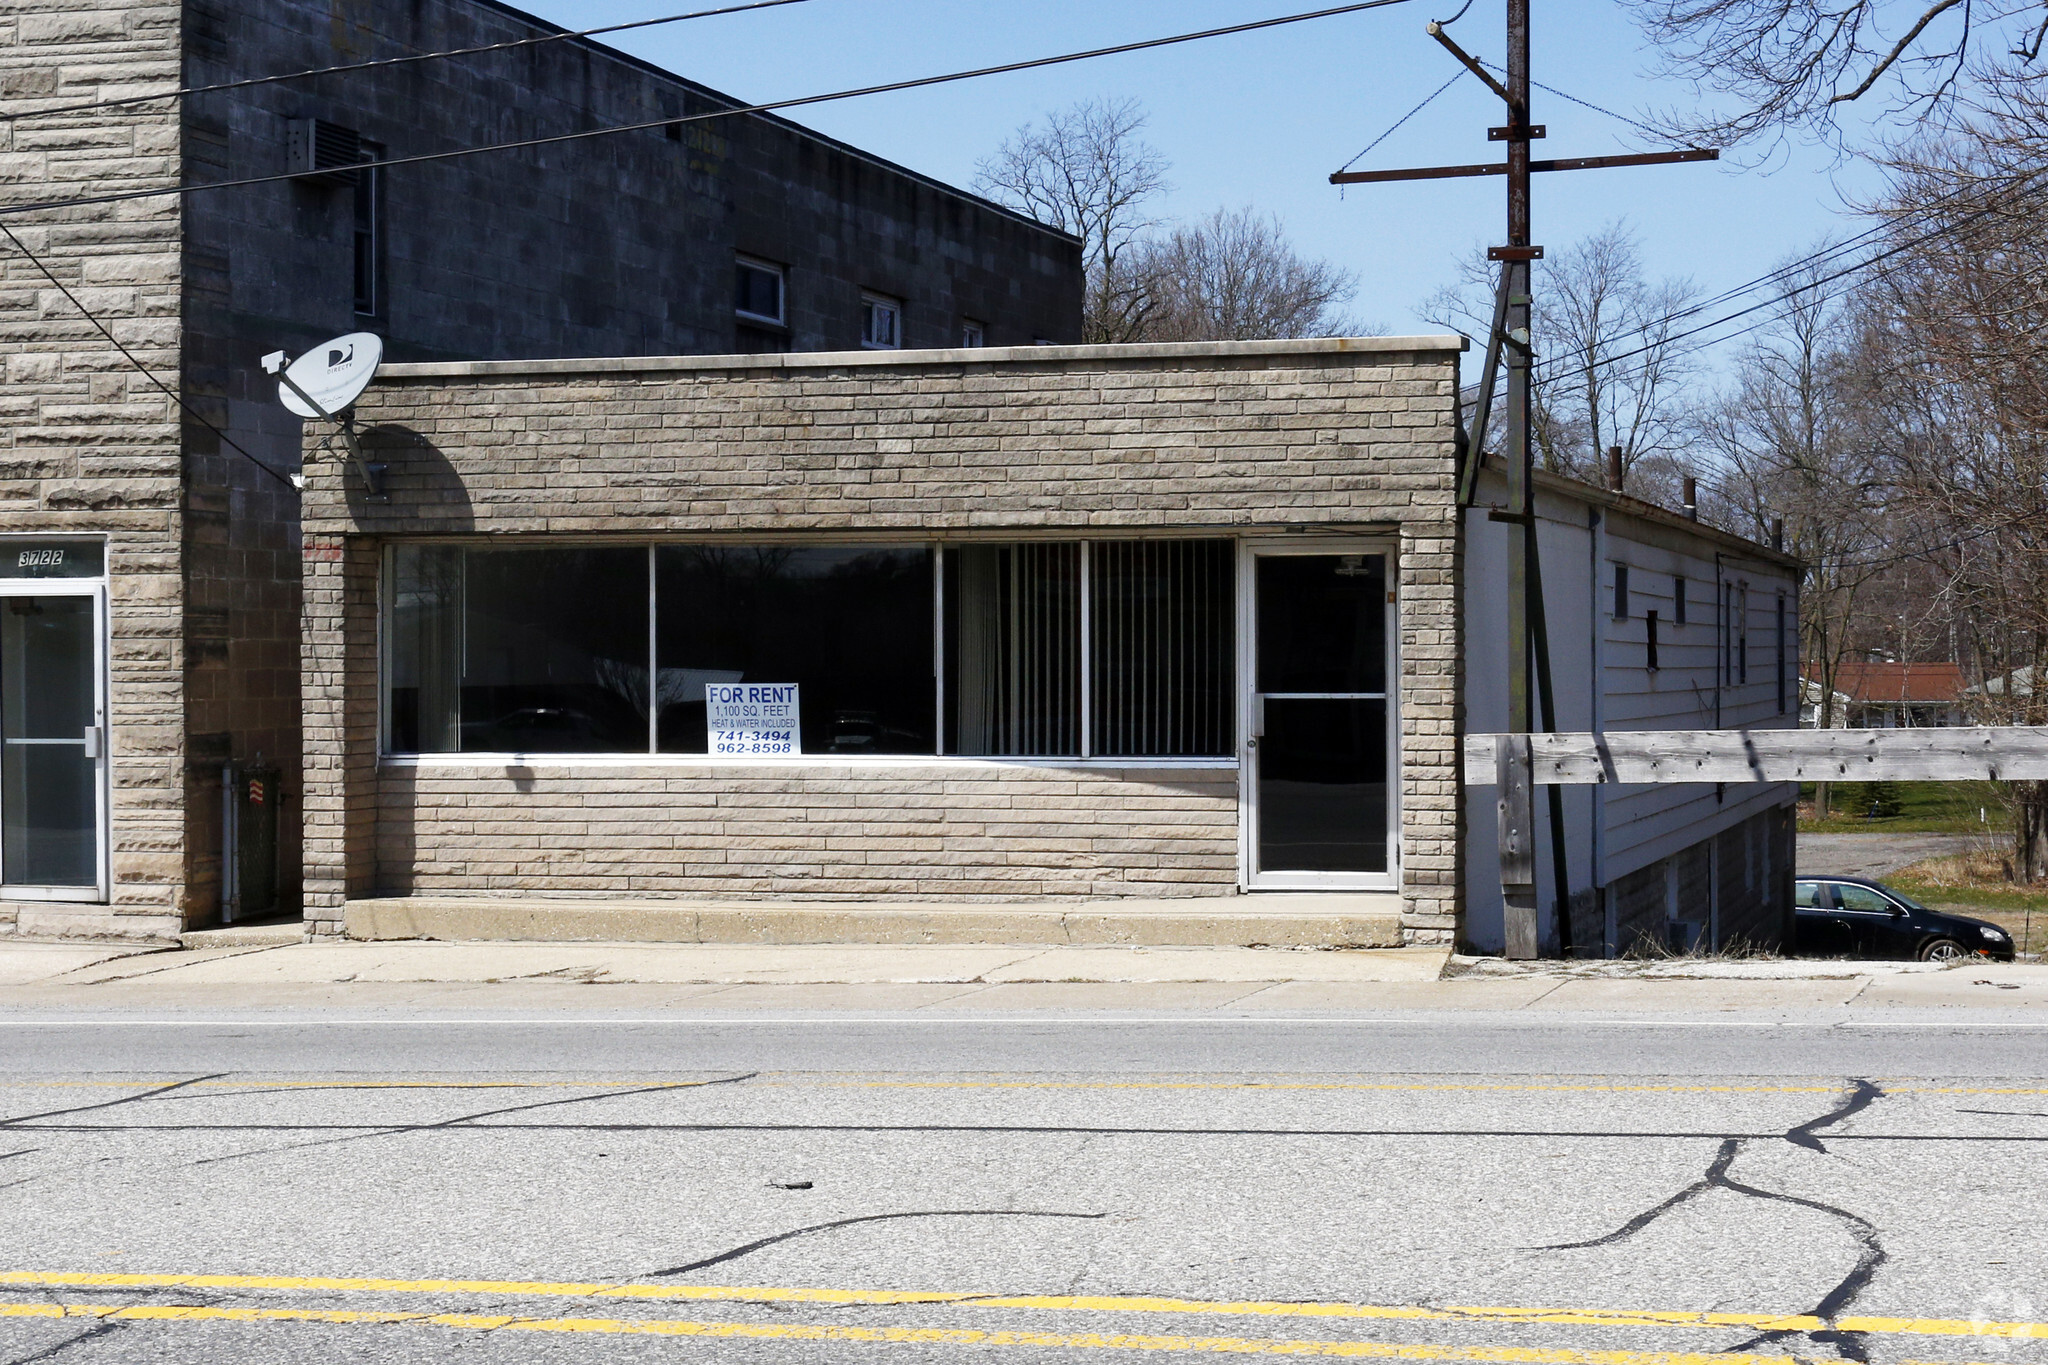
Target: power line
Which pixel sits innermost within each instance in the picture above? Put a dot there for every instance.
(131, 358)
(1811, 285)
(920, 82)
(2012, 182)
(383, 62)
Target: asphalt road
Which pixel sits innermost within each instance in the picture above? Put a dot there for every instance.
(1874, 855)
(311, 1187)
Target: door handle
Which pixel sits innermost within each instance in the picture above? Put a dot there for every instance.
(92, 741)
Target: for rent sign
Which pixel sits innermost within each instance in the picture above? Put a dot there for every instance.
(753, 720)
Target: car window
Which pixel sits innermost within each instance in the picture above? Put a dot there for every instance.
(1852, 897)
(1806, 895)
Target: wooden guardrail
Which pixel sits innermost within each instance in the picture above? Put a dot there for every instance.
(1996, 752)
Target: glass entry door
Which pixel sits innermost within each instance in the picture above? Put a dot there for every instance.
(1317, 750)
(52, 745)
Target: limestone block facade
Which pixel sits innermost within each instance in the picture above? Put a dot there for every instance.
(90, 439)
(1260, 446)
(136, 414)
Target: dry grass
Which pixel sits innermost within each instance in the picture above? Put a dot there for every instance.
(1976, 882)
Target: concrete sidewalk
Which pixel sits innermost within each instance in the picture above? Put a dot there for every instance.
(898, 978)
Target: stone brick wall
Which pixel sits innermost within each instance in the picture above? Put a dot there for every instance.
(494, 256)
(88, 443)
(1239, 438)
(958, 832)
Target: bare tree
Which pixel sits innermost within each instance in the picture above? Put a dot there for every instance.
(1958, 324)
(1232, 276)
(1791, 65)
(1088, 172)
(1610, 369)
(1791, 443)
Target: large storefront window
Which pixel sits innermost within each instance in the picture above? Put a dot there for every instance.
(850, 625)
(519, 651)
(1044, 649)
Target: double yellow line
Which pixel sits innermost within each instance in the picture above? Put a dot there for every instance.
(915, 1336)
(1057, 1303)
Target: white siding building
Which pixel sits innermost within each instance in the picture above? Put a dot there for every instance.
(1655, 623)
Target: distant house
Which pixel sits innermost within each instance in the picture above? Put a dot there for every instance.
(2018, 683)
(1887, 696)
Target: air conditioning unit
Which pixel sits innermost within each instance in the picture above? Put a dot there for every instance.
(323, 153)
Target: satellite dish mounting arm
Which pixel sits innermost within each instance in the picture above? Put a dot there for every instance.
(276, 364)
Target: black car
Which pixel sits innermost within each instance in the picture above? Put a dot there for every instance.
(1856, 917)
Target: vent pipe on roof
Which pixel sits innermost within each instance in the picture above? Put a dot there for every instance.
(1692, 498)
(1614, 469)
(1778, 534)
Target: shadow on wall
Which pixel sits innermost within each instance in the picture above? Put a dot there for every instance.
(421, 487)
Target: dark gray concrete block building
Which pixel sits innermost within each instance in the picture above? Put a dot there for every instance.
(174, 522)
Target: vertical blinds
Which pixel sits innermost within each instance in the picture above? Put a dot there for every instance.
(1017, 688)
(1161, 619)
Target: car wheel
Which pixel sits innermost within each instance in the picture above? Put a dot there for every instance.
(1943, 950)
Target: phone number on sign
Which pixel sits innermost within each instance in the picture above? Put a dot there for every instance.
(754, 742)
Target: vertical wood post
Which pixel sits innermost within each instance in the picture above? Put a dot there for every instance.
(1517, 845)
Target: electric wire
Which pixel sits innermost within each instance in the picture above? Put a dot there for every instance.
(134, 360)
(1804, 286)
(2013, 183)
(888, 87)
(126, 101)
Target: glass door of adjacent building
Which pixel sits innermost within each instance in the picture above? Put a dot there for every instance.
(52, 740)
(1319, 738)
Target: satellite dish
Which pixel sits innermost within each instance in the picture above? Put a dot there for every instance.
(329, 377)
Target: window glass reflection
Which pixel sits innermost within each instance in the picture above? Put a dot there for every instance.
(850, 625)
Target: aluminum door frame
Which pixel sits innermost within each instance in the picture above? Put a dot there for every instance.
(1249, 876)
(96, 589)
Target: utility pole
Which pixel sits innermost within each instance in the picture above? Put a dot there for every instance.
(1519, 896)
(1527, 641)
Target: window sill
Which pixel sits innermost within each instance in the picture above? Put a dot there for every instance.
(849, 761)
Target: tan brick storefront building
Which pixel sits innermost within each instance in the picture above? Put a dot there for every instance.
(1057, 625)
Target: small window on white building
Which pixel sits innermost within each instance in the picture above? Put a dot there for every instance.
(1678, 601)
(759, 295)
(1742, 634)
(1621, 592)
(881, 322)
(973, 333)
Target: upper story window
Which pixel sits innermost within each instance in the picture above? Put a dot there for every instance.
(973, 333)
(369, 210)
(1621, 592)
(881, 322)
(759, 296)
(1678, 601)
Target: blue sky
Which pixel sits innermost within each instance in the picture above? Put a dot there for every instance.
(1263, 118)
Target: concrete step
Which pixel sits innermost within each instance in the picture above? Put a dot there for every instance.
(1278, 921)
(266, 934)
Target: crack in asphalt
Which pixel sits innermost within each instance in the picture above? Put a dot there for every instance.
(1716, 1176)
(23, 1152)
(459, 1120)
(111, 1104)
(1862, 1094)
(754, 1246)
(98, 1329)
